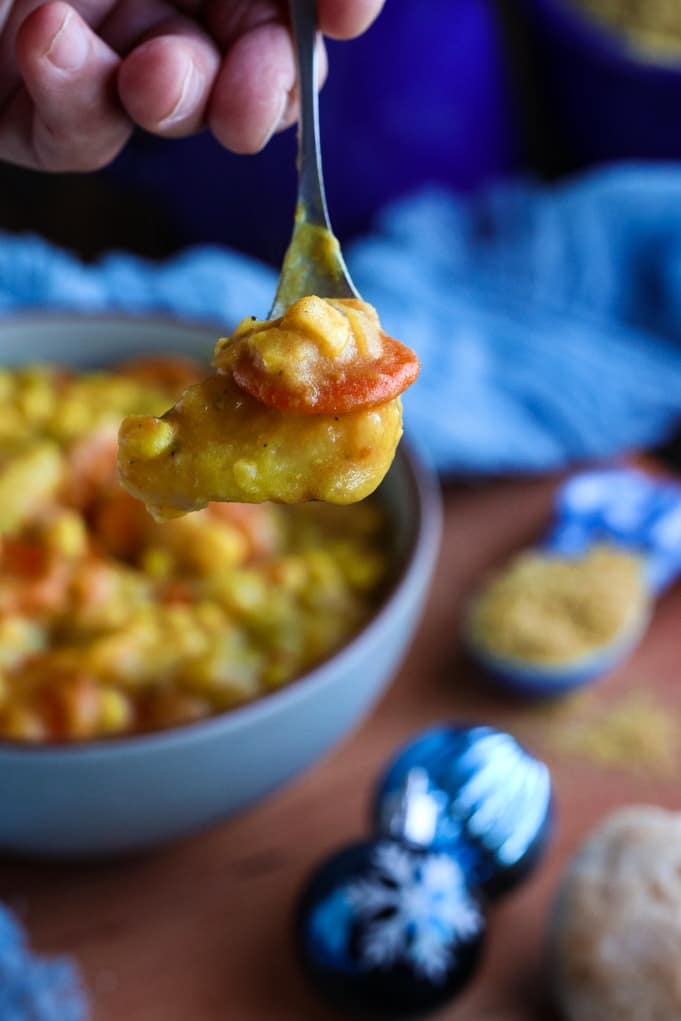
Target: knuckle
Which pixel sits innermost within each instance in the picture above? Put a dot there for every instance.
(64, 151)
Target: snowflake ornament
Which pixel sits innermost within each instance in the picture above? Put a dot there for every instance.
(416, 908)
(388, 927)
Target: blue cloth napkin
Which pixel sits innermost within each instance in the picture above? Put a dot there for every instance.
(547, 319)
(35, 988)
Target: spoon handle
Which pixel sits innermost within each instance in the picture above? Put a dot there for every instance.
(311, 197)
(313, 263)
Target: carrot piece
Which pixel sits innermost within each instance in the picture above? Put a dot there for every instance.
(24, 558)
(364, 383)
(121, 524)
(91, 467)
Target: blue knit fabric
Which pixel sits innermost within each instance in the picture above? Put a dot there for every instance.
(547, 319)
(35, 988)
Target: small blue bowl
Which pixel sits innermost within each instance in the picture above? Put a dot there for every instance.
(532, 681)
(120, 795)
(602, 99)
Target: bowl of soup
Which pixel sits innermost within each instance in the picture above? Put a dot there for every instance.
(156, 678)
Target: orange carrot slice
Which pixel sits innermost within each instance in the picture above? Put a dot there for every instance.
(339, 389)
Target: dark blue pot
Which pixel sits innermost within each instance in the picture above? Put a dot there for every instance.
(601, 100)
(424, 96)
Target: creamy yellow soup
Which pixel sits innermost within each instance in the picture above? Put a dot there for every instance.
(111, 623)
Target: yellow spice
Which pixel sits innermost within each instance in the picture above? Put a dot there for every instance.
(544, 609)
(653, 26)
(636, 732)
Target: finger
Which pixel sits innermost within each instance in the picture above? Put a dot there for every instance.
(341, 19)
(252, 101)
(345, 19)
(68, 116)
(12, 17)
(131, 22)
(252, 90)
(165, 83)
(228, 21)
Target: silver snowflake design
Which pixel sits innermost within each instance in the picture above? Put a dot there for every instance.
(416, 908)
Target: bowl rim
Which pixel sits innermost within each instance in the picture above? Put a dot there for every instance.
(417, 559)
(60, 314)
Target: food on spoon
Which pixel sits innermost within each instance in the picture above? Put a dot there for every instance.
(113, 624)
(304, 407)
(322, 357)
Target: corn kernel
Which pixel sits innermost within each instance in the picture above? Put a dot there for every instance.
(70, 419)
(245, 474)
(19, 638)
(27, 477)
(145, 437)
(36, 401)
(67, 535)
(157, 563)
(115, 711)
(317, 319)
(19, 723)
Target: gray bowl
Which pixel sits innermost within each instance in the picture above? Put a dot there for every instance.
(125, 794)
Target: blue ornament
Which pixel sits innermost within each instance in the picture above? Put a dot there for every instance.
(474, 791)
(389, 930)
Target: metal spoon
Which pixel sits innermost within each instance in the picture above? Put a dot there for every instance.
(313, 263)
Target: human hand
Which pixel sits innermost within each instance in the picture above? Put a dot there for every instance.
(75, 78)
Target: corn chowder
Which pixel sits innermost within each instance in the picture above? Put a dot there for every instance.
(111, 623)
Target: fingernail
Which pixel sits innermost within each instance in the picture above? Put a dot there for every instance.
(275, 122)
(70, 45)
(190, 92)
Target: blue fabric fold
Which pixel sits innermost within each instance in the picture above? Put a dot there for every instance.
(36, 988)
(547, 318)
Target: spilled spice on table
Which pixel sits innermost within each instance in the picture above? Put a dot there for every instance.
(637, 733)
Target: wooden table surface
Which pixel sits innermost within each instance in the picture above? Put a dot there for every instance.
(201, 931)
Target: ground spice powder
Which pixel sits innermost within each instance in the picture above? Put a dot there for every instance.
(544, 609)
(637, 733)
(653, 26)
